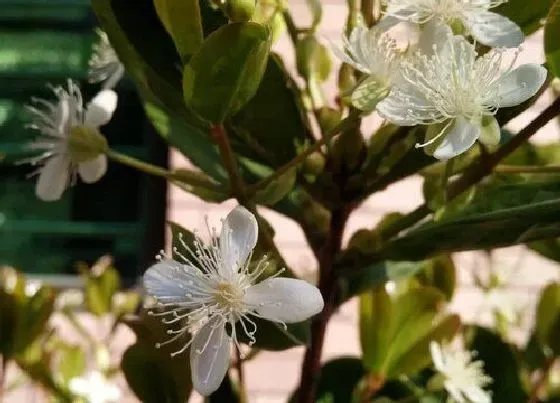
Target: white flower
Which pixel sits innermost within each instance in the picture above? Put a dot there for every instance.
(214, 287)
(374, 53)
(95, 388)
(463, 378)
(104, 64)
(486, 27)
(70, 142)
(458, 93)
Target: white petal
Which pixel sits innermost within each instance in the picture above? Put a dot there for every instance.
(490, 132)
(285, 299)
(53, 178)
(387, 22)
(437, 355)
(238, 238)
(395, 107)
(169, 282)
(210, 355)
(114, 77)
(520, 84)
(455, 392)
(101, 108)
(494, 29)
(91, 171)
(477, 395)
(79, 386)
(460, 138)
(62, 114)
(434, 35)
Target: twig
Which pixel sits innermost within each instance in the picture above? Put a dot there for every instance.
(241, 376)
(527, 169)
(327, 284)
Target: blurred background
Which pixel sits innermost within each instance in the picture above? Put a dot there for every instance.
(123, 215)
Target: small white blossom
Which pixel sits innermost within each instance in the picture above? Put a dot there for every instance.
(214, 287)
(373, 52)
(95, 388)
(463, 378)
(486, 27)
(69, 137)
(458, 94)
(104, 65)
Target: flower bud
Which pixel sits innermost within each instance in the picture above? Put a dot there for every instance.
(240, 10)
(85, 144)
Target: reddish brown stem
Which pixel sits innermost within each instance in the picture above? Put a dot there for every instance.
(327, 284)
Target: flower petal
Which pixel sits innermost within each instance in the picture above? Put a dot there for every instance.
(101, 108)
(238, 238)
(53, 178)
(395, 107)
(285, 299)
(477, 395)
(460, 138)
(520, 84)
(437, 355)
(171, 282)
(210, 355)
(433, 36)
(91, 171)
(493, 29)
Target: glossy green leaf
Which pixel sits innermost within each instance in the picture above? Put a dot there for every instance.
(150, 59)
(499, 215)
(226, 72)
(395, 334)
(181, 18)
(528, 16)
(277, 189)
(500, 364)
(376, 312)
(551, 35)
(337, 380)
(152, 374)
(548, 318)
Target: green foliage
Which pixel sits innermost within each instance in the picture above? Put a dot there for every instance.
(500, 215)
(101, 284)
(395, 334)
(226, 72)
(527, 16)
(187, 34)
(551, 34)
(548, 319)
(153, 374)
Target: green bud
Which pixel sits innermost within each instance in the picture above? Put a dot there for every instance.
(85, 144)
(240, 10)
(314, 164)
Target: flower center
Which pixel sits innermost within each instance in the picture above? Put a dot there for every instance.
(85, 144)
(229, 297)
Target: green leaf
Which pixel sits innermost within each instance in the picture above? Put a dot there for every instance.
(356, 282)
(337, 380)
(100, 288)
(181, 18)
(376, 312)
(72, 362)
(500, 215)
(500, 364)
(439, 273)
(152, 374)
(147, 52)
(368, 94)
(548, 318)
(226, 72)
(527, 15)
(193, 143)
(395, 335)
(551, 35)
(277, 189)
